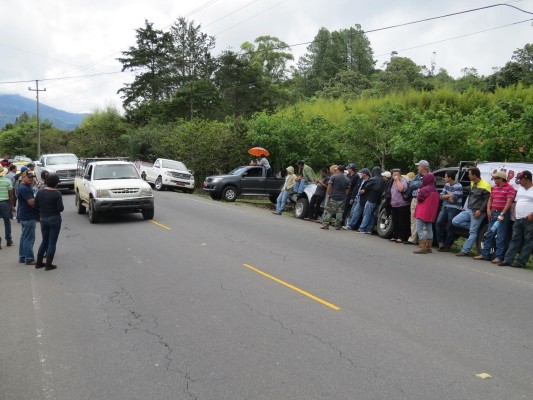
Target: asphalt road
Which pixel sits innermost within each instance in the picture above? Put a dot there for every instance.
(217, 301)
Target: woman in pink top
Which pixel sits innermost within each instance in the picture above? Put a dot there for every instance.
(426, 213)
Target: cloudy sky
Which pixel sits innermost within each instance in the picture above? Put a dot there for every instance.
(72, 45)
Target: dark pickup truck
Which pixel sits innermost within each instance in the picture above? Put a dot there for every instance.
(246, 181)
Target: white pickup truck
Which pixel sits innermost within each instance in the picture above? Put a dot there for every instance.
(61, 164)
(111, 186)
(167, 173)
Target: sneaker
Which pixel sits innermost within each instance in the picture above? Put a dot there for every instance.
(325, 227)
(481, 258)
(496, 261)
(9, 243)
(346, 228)
(31, 262)
(276, 213)
(461, 254)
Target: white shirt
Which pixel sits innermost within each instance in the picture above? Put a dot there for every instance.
(524, 202)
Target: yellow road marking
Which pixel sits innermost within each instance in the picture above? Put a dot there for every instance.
(161, 225)
(293, 288)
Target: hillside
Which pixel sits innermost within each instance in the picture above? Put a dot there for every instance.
(12, 106)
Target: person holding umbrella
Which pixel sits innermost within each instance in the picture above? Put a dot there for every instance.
(261, 159)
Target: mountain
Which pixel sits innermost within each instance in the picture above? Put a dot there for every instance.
(12, 106)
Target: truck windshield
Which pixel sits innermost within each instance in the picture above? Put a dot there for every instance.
(174, 165)
(237, 171)
(115, 171)
(63, 159)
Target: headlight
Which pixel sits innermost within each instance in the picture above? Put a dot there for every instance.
(216, 180)
(103, 193)
(168, 173)
(146, 192)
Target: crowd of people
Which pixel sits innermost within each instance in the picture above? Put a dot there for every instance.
(416, 208)
(29, 201)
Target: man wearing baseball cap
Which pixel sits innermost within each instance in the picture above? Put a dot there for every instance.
(6, 204)
(498, 212)
(416, 183)
(353, 176)
(522, 240)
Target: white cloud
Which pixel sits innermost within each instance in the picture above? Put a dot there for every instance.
(59, 38)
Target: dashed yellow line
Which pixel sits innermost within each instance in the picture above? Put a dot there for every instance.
(161, 225)
(330, 305)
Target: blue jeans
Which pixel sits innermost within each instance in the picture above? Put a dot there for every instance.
(521, 242)
(466, 220)
(445, 231)
(5, 213)
(282, 201)
(500, 235)
(420, 225)
(50, 228)
(27, 239)
(355, 216)
(369, 220)
(300, 186)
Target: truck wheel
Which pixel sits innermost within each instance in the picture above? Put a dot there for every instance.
(301, 209)
(143, 176)
(158, 185)
(229, 194)
(93, 215)
(79, 206)
(148, 213)
(384, 225)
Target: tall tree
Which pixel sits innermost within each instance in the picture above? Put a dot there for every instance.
(149, 59)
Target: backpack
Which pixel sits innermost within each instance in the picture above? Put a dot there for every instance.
(408, 194)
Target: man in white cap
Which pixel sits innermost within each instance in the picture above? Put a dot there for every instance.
(416, 183)
(7, 205)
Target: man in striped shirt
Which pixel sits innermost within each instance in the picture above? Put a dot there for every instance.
(498, 212)
(6, 204)
(452, 203)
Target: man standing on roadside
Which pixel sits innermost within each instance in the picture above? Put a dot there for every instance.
(27, 217)
(498, 211)
(452, 202)
(522, 240)
(6, 205)
(337, 186)
(353, 176)
(416, 183)
(475, 213)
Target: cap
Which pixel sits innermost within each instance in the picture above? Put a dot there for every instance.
(290, 169)
(365, 171)
(500, 174)
(3, 170)
(351, 166)
(524, 174)
(23, 168)
(386, 174)
(423, 163)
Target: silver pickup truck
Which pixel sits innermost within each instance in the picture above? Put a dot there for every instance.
(62, 164)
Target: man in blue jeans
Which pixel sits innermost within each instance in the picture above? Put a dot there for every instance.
(27, 217)
(373, 190)
(476, 211)
(452, 201)
(6, 204)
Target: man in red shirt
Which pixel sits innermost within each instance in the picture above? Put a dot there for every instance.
(498, 212)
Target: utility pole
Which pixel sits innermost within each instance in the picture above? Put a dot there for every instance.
(38, 120)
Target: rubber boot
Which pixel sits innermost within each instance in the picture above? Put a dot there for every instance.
(429, 245)
(39, 262)
(49, 266)
(422, 249)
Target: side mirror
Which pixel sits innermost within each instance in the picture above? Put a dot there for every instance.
(87, 177)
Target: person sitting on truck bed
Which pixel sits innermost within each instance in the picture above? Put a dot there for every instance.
(307, 177)
(476, 211)
(263, 162)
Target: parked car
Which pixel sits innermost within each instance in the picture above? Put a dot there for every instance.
(62, 164)
(165, 173)
(243, 181)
